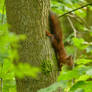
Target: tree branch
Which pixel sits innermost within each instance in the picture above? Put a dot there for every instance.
(74, 10)
(74, 29)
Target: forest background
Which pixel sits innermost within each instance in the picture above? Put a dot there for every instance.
(75, 17)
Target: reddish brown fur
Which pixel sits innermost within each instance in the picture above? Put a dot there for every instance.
(57, 41)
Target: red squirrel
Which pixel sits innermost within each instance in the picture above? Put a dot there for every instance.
(56, 38)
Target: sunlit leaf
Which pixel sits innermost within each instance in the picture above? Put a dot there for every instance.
(85, 86)
(54, 87)
(79, 43)
(83, 61)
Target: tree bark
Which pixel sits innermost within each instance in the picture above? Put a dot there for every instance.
(30, 17)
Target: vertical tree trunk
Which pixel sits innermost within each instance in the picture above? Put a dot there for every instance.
(30, 17)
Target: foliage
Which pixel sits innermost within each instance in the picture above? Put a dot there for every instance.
(8, 52)
(79, 79)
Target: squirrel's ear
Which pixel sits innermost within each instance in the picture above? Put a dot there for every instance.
(70, 60)
(70, 57)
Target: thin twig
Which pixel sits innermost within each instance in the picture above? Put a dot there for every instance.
(74, 10)
(72, 26)
(75, 35)
(87, 43)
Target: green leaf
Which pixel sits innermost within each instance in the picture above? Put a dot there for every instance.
(75, 73)
(83, 61)
(54, 87)
(1, 5)
(22, 70)
(89, 72)
(84, 77)
(78, 42)
(85, 86)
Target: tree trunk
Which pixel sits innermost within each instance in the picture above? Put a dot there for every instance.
(30, 17)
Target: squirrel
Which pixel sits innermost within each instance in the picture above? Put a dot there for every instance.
(56, 38)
